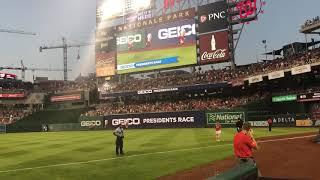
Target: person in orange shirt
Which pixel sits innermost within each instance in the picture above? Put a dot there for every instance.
(244, 143)
(218, 131)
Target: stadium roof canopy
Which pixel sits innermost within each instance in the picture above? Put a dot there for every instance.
(288, 46)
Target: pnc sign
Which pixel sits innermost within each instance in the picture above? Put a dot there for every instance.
(213, 17)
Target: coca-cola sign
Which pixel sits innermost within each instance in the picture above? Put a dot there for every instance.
(218, 54)
(214, 47)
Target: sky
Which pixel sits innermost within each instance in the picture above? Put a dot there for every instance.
(75, 20)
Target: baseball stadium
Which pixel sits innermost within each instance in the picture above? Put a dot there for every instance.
(160, 89)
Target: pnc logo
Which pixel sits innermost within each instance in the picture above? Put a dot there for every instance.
(203, 18)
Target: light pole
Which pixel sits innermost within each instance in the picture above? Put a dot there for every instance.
(265, 48)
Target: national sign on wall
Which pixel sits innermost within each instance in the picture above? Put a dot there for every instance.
(213, 17)
(226, 118)
(214, 47)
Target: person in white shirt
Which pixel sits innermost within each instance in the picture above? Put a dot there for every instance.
(118, 132)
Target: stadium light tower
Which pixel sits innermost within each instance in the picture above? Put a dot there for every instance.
(265, 48)
(111, 8)
(141, 4)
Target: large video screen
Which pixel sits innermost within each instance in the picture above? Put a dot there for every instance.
(162, 45)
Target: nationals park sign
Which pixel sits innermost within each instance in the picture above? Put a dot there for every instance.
(227, 118)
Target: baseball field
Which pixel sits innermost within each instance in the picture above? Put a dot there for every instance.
(90, 154)
(186, 56)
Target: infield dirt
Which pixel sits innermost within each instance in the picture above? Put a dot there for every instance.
(292, 158)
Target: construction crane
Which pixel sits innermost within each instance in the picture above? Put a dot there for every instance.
(23, 69)
(65, 47)
(17, 32)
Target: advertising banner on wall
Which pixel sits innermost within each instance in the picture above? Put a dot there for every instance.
(105, 52)
(255, 79)
(7, 76)
(62, 98)
(292, 97)
(259, 123)
(162, 46)
(301, 69)
(139, 16)
(304, 123)
(236, 82)
(11, 95)
(284, 120)
(213, 17)
(106, 40)
(186, 119)
(226, 118)
(176, 16)
(152, 91)
(214, 47)
(308, 97)
(105, 64)
(276, 75)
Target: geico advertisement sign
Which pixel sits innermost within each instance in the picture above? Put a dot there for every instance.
(90, 123)
(175, 32)
(135, 38)
(129, 121)
(145, 91)
(172, 34)
(152, 120)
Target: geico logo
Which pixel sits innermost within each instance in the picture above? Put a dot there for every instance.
(131, 38)
(175, 32)
(145, 92)
(130, 121)
(90, 123)
(218, 15)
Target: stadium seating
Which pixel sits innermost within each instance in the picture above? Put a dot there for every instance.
(216, 76)
(312, 21)
(11, 116)
(179, 105)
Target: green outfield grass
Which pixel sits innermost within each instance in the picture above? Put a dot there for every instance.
(186, 56)
(30, 150)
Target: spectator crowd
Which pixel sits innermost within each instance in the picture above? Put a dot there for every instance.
(215, 76)
(311, 22)
(182, 105)
(11, 116)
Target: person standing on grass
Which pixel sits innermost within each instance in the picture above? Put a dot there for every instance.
(244, 144)
(119, 138)
(218, 131)
(270, 124)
